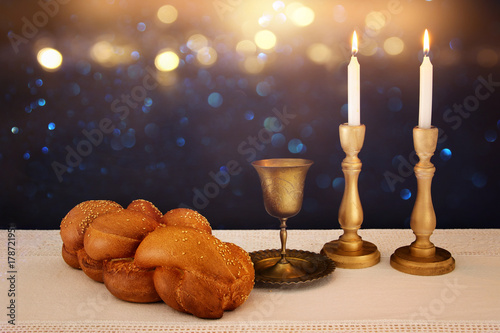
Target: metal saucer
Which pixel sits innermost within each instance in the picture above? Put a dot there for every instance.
(312, 266)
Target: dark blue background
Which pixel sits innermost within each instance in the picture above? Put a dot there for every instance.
(168, 146)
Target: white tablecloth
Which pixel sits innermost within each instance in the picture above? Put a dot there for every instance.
(52, 297)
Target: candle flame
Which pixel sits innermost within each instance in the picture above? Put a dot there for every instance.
(426, 42)
(354, 43)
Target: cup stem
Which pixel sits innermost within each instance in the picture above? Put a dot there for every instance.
(283, 236)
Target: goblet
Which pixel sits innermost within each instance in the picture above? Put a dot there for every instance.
(282, 181)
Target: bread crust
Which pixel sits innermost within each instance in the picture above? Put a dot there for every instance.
(118, 234)
(185, 217)
(92, 268)
(147, 208)
(196, 272)
(78, 219)
(128, 282)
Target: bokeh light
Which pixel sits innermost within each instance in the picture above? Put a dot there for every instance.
(50, 59)
(253, 65)
(338, 184)
(445, 154)
(167, 14)
(295, 146)
(265, 39)
(374, 22)
(102, 52)
(490, 135)
(405, 194)
(196, 42)
(215, 99)
(479, 179)
(300, 15)
(394, 45)
(246, 47)
(166, 61)
(207, 56)
(319, 53)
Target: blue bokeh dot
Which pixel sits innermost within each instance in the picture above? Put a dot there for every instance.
(51, 126)
(405, 194)
(395, 104)
(490, 135)
(180, 142)
(338, 184)
(263, 88)
(479, 180)
(278, 140)
(215, 99)
(295, 146)
(141, 26)
(445, 154)
(249, 115)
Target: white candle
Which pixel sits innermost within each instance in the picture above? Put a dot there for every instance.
(425, 102)
(353, 86)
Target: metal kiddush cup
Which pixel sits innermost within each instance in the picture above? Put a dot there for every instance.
(282, 181)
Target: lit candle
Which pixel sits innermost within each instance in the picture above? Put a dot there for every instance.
(425, 102)
(353, 86)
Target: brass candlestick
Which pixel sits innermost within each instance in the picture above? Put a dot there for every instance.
(422, 257)
(350, 251)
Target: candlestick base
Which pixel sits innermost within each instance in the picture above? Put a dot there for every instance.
(438, 264)
(367, 256)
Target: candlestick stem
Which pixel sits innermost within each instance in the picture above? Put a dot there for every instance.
(422, 257)
(350, 251)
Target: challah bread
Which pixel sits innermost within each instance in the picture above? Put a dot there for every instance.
(76, 222)
(184, 217)
(147, 208)
(117, 235)
(92, 268)
(69, 258)
(196, 272)
(128, 282)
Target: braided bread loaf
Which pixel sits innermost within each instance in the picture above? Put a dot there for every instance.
(196, 272)
(143, 256)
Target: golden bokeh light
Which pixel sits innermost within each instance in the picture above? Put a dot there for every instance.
(319, 53)
(246, 47)
(374, 22)
(167, 14)
(394, 45)
(102, 52)
(302, 16)
(166, 60)
(253, 65)
(50, 59)
(265, 39)
(196, 42)
(207, 56)
(487, 58)
(368, 47)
